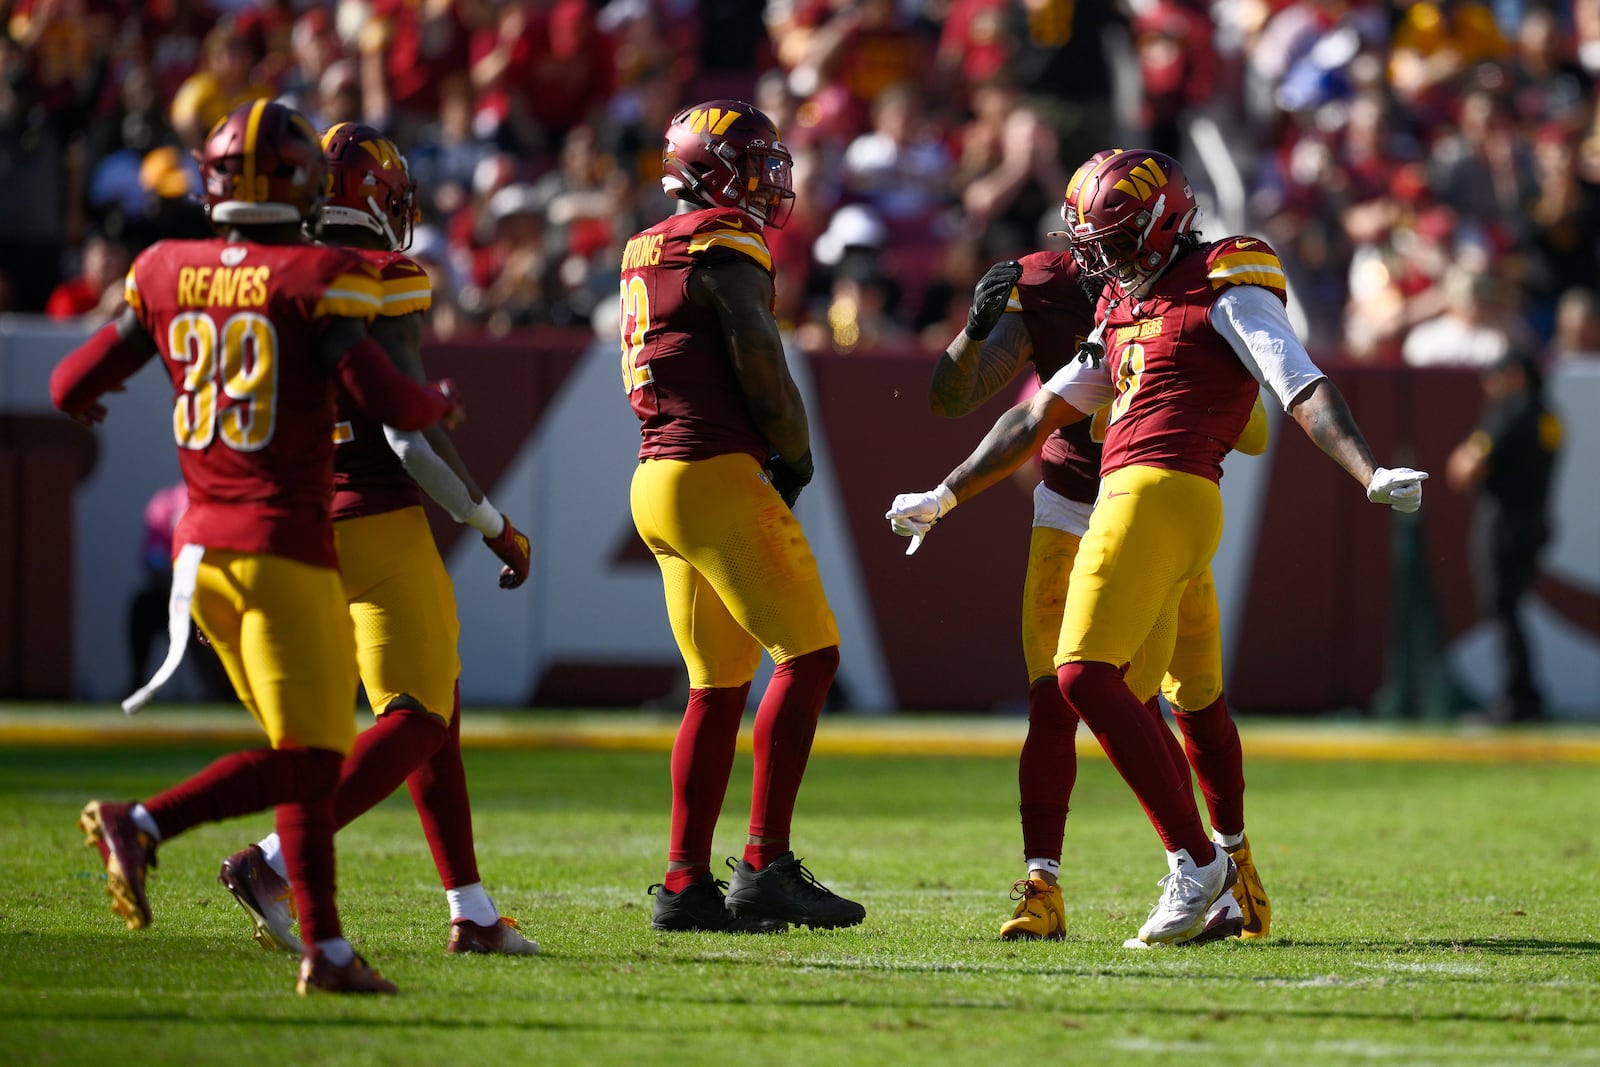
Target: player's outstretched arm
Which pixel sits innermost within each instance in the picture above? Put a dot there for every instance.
(739, 292)
(431, 459)
(99, 365)
(1257, 328)
(1015, 437)
(371, 380)
(987, 353)
(1323, 414)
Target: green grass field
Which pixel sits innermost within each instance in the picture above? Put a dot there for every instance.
(1425, 913)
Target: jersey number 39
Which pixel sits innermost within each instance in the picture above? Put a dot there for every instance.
(240, 359)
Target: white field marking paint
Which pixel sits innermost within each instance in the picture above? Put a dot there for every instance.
(1425, 968)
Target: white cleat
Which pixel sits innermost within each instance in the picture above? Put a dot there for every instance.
(1187, 896)
(1224, 922)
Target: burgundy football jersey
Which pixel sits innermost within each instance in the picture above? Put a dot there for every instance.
(675, 361)
(238, 326)
(1183, 397)
(1058, 315)
(368, 478)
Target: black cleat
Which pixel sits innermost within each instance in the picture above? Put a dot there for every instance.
(784, 889)
(701, 907)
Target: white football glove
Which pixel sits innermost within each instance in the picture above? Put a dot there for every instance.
(913, 514)
(1399, 487)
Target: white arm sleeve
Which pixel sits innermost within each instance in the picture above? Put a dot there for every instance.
(1086, 385)
(431, 473)
(1257, 328)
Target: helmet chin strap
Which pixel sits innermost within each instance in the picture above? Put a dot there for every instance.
(383, 222)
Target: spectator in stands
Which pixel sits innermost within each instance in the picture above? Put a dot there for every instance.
(1435, 44)
(849, 50)
(1010, 176)
(97, 287)
(899, 166)
(1484, 167)
(224, 81)
(1547, 83)
(410, 53)
(1479, 327)
(1506, 464)
(1176, 68)
(540, 71)
(431, 252)
(512, 275)
(169, 179)
(1559, 234)
(1577, 333)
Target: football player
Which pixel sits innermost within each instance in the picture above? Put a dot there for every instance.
(1186, 334)
(725, 452)
(258, 329)
(399, 594)
(1037, 310)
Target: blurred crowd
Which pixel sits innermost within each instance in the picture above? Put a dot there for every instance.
(1427, 169)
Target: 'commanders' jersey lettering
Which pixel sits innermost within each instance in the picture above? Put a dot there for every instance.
(230, 287)
(1139, 331)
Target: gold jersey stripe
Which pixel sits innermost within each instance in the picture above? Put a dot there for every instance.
(130, 292)
(402, 296)
(351, 296)
(1248, 268)
(750, 244)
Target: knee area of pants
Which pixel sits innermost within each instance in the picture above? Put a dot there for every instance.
(1191, 699)
(1080, 681)
(822, 662)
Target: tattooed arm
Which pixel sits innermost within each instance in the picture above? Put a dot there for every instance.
(1015, 437)
(970, 372)
(1326, 419)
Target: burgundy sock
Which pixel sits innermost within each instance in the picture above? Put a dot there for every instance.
(1211, 740)
(439, 790)
(238, 784)
(1174, 750)
(702, 761)
(1047, 770)
(786, 724)
(305, 830)
(385, 754)
(1125, 729)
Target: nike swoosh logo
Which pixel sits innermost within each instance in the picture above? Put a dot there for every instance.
(1254, 925)
(1121, 492)
(1244, 244)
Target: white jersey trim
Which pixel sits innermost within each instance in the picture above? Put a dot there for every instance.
(1254, 323)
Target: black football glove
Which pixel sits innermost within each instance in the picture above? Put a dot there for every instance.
(989, 298)
(790, 476)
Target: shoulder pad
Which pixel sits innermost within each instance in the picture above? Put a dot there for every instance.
(354, 288)
(406, 287)
(1245, 261)
(730, 230)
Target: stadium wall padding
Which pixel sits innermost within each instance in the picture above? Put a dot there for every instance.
(1307, 572)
